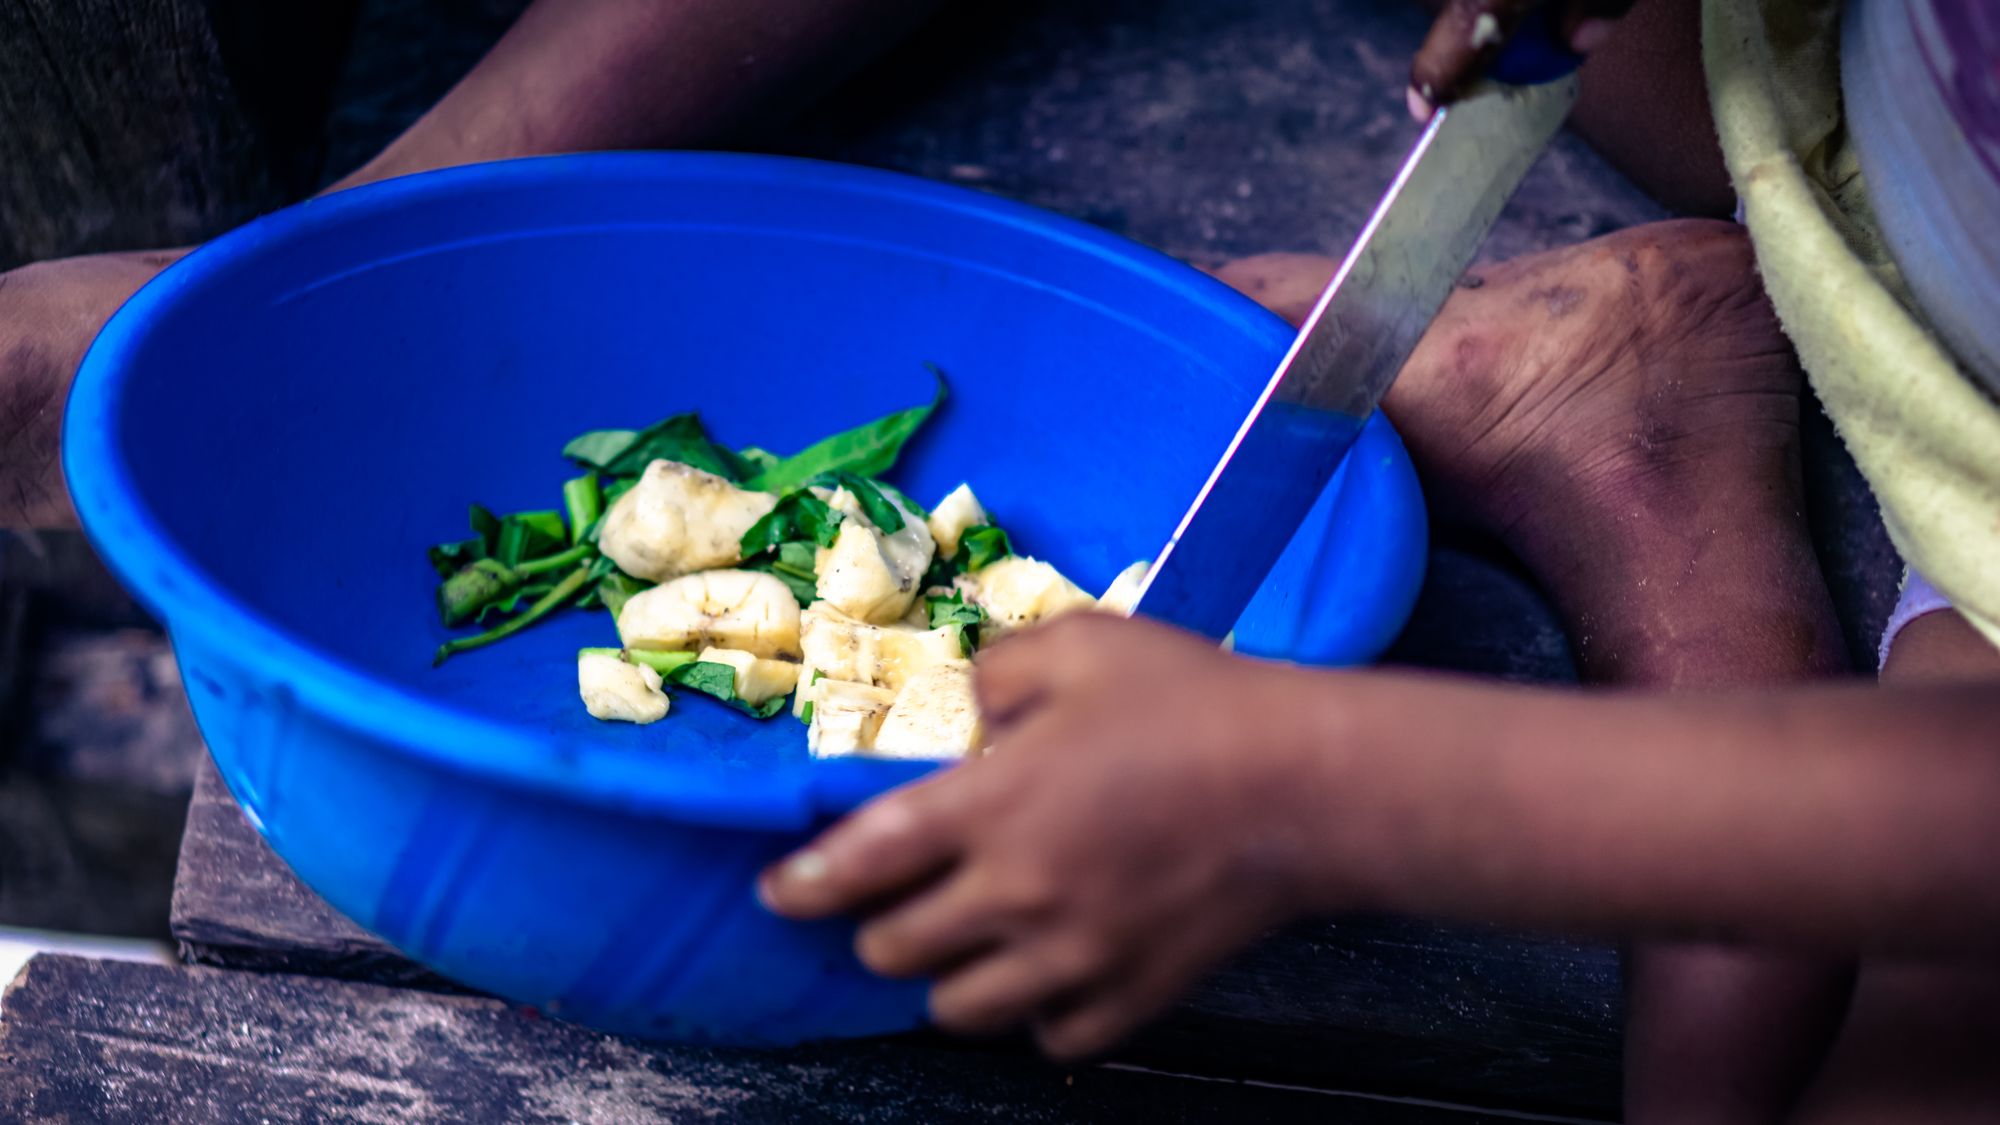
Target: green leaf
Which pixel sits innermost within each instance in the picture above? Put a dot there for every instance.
(942, 572)
(806, 712)
(486, 525)
(795, 565)
(615, 589)
(719, 680)
(521, 536)
(903, 498)
(982, 545)
(799, 516)
(952, 610)
(583, 503)
(869, 450)
(450, 558)
(887, 518)
(626, 453)
(759, 460)
(799, 556)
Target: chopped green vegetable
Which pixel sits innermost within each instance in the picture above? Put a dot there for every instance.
(509, 568)
(759, 460)
(521, 536)
(557, 597)
(579, 553)
(583, 503)
(661, 662)
(795, 564)
(869, 450)
(953, 610)
(719, 680)
(462, 596)
(799, 516)
(887, 518)
(806, 712)
(626, 453)
(982, 545)
(615, 589)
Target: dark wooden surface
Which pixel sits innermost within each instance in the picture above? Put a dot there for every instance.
(1386, 1005)
(102, 1041)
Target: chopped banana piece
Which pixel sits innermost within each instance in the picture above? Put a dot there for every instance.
(867, 574)
(1123, 593)
(739, 609)
(1017, 592)
(678, 520)
(846, 717)
(953, 515)
(757, 679)
(935, 716)
(616, 690)
(841, 648)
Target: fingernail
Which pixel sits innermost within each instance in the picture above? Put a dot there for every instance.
(805, 867)
(1589, 35)
(1420, 106)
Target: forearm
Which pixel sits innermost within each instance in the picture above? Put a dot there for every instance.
(1841, 818)
(578, 75)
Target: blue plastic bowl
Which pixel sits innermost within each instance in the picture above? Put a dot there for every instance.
(264, 440)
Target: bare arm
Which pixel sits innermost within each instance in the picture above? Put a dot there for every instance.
(577, 75)
(1843, 818)
(570, 75)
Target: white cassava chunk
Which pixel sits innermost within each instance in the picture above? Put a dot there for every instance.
(757, 678)
(934, 716)
(678, 520)
(845, 717)
(1017, 592)
(868, 574)
(1123, 593)
(953, 515)
(739, 609)
(841, 648)
(614, 689)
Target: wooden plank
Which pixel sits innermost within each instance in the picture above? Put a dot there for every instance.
(1388, 1005)
(237, 905)
(102, 1041)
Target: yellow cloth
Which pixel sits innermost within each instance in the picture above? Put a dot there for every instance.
(1923, 432)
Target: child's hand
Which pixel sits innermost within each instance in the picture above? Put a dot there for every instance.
(1138, 818)
(1468, 34)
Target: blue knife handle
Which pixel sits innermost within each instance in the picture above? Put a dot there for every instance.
(1535, 54)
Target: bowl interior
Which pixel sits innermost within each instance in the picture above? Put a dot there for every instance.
(312, 402)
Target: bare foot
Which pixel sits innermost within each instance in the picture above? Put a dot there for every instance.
(1609, 412)
(1601, 374)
